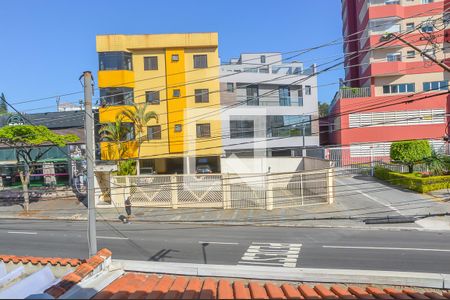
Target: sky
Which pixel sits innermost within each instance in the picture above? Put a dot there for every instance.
(46, 45)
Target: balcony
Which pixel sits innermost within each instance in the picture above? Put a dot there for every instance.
(388, 68)
(275, 101)
(349, 92)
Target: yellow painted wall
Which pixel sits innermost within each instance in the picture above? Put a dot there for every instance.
(115, 78)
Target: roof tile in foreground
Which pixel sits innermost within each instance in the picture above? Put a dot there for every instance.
(151, 286)
(54, 261)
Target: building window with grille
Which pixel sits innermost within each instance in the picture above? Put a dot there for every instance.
(201, 96)
(200, 61)
(435, 86)
(399, 88)
(241, 129)
(307, 90)
(411, 54)
(203, 130)
(152, 97)
(150, 63)
(154, 132)
(396, 56)
(252, 95)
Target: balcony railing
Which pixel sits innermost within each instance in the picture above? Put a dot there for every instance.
(383, 2)
(349, 92)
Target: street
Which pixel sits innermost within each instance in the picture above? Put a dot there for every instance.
(389, 250)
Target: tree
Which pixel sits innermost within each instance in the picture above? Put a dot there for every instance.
(323, 109)
(3, 106)
(139, 115)
(410, 153)
(31, 144)
(116, 133)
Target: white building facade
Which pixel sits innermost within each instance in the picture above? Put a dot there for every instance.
(270, 107)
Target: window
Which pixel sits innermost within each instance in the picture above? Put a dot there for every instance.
(201, 96)
(175, 57)
(200, 61)
(126, 133)
(241, 129)
(411, 54)
(430, 52)
(397, 56)
(230, 87)
(176, 93)
(116, 96)
(435, 86)
(284, 95)
(150, 63)
(263, 70)
(397, 118)
(152, 97)
(427, 27)
(307, 90)
(203, 130)
(117, 60)
(154, 132)
(252, 95)
(178, 128)
(263, 59)
(427, 1)
(410, 26)
(399, 88)
(286, 126)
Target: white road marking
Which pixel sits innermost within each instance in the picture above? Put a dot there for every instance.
(386, 248)
(22, 232)
(271, 254)
(374, 199)
(112, 238)
(218, 243)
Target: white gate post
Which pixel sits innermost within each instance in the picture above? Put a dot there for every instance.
(226, 191)
(301, 188)
(174, 191)
(330, 182)
(269, 192)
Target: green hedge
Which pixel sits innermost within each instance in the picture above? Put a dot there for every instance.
(413, 181)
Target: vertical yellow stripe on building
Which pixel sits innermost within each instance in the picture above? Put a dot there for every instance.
(175, 80)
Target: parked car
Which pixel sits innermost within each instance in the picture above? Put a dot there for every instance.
(203, 169)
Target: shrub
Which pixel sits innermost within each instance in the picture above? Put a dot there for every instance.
(413, 181)
(409, 153)
(438, 164)
(127, 167)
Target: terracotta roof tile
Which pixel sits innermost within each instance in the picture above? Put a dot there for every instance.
(73, 262)
(378, 293)
(209, 289)
(147, 286)
(342, 292)
(193, 289)
(308, 292)
(434, 295)
(225, 291)
(397, 294)
(360, 293)
(291, 292)
(177, 289)
(415, 295)
(324, 292)
(274, 291)
(161, 288)
(241, 291)
(257, 291)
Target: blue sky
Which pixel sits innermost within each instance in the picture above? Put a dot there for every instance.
(46, 45)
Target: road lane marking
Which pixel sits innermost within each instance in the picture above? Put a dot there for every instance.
(112, 238)
(218, 243)
(374, 199)
(386, 248)
(271, 254)
(22, 232)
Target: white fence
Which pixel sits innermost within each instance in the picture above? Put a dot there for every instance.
(227, 191)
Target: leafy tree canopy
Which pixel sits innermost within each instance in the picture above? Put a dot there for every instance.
(30, 135)
(410, 153)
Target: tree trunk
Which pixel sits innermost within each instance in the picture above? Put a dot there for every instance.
(410, 168)
(25, 179)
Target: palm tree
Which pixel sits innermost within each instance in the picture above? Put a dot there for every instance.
(139, 115)
(116, 133)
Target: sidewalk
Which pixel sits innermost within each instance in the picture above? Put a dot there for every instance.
(357, 198)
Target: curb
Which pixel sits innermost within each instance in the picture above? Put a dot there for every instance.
(424, 280)
(218, 223)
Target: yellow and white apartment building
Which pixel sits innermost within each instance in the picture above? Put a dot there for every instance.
(178, 76)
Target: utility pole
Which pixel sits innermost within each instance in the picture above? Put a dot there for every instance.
(390, 36)
(89, 132)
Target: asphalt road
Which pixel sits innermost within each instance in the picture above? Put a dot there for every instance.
(418, 251)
